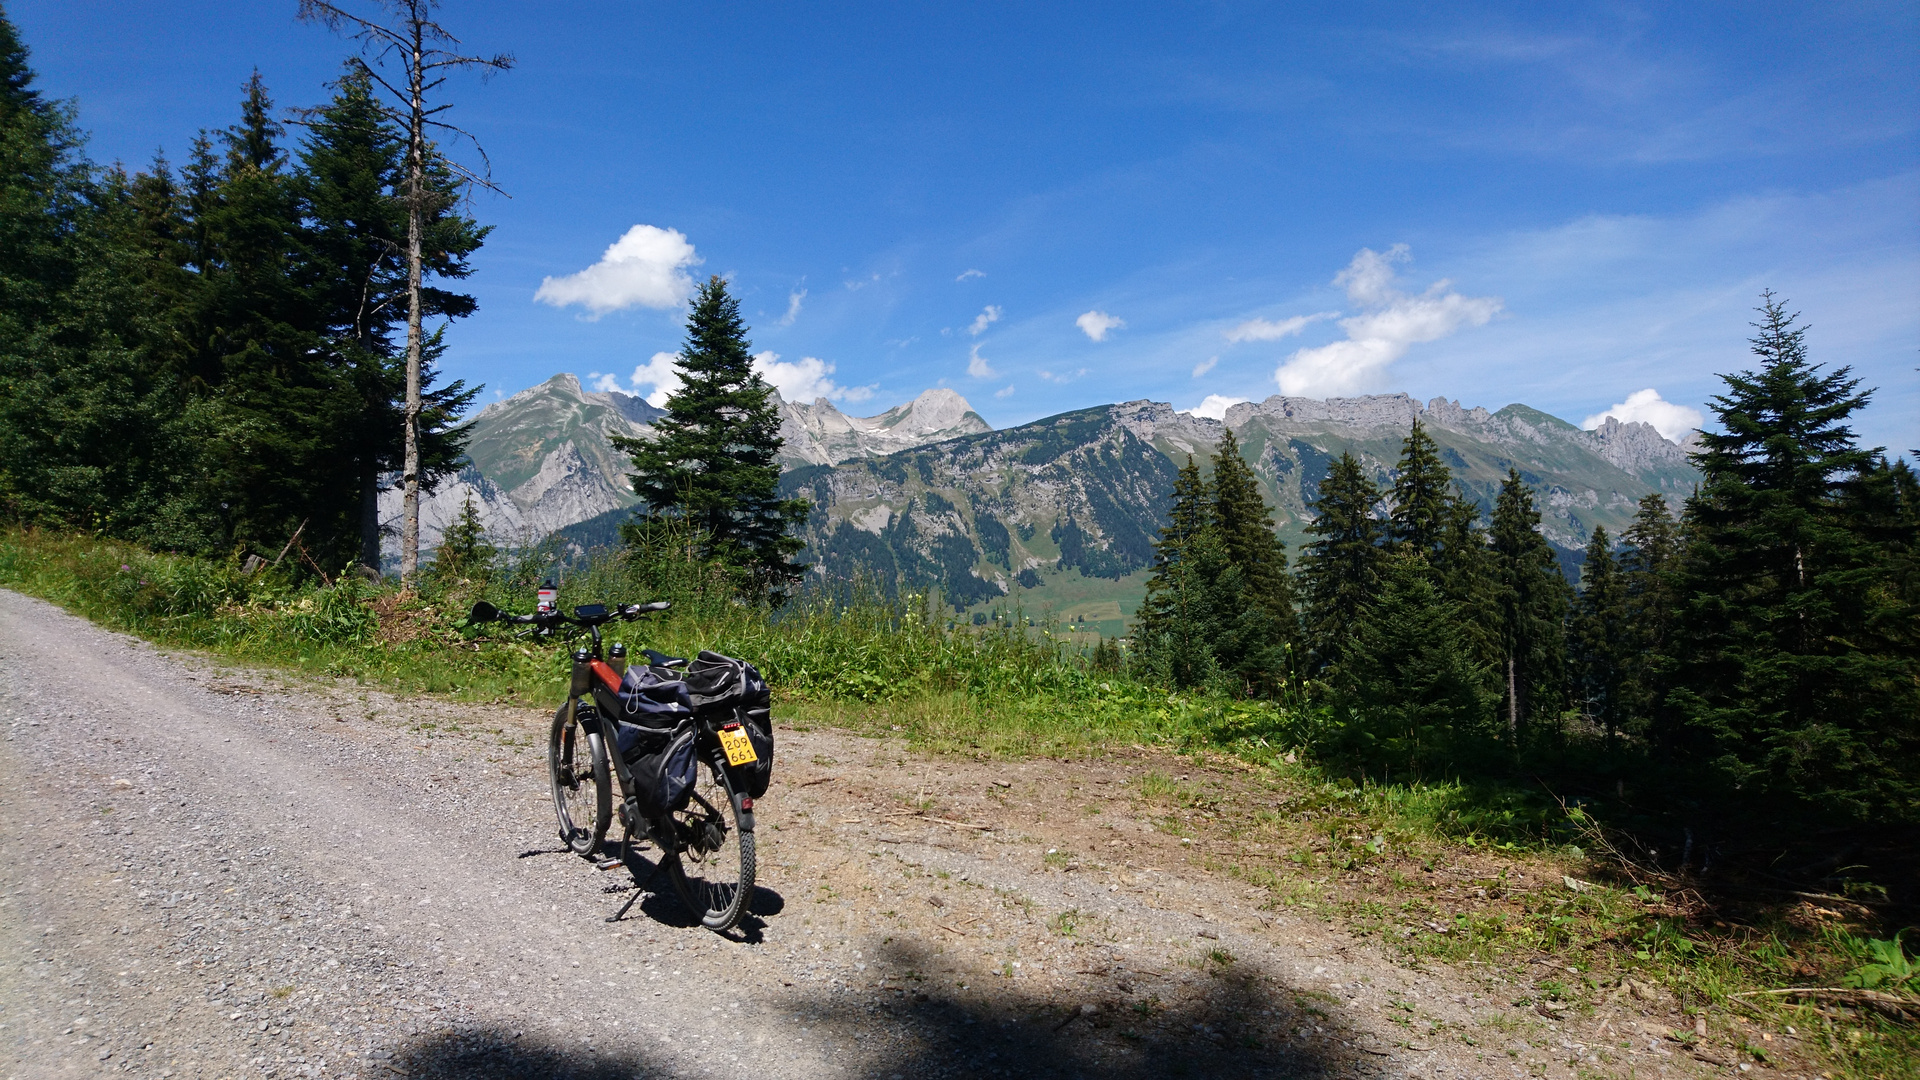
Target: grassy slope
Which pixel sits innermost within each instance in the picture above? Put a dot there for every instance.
(1435, 870)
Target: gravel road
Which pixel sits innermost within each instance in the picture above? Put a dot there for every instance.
(211, 872)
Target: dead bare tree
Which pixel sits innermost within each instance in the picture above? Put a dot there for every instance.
(424, 53)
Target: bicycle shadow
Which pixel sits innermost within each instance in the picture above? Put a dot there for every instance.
(662, 905)
(1236, 1027)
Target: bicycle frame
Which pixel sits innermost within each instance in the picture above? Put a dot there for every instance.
(595, 682)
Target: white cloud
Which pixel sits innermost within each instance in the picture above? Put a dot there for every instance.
(1205, 366)
(647, 268)
(1064, 377)
(604, 383)
(1214, 407)
(1266, 330)
(977, 365)
(1378, 337)
(1646, 406)
(1095, 324)
(793, 307)
(807, 380)
(987, 317)
(965, 274)
(1008, 392)
(662, 373)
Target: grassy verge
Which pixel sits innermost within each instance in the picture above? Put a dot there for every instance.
(1442, 872)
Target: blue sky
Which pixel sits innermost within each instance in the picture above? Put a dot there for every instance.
(1232, 198)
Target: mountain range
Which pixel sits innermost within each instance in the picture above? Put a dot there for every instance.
(1057, 515)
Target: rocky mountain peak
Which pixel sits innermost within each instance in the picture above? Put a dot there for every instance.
(1636, 447)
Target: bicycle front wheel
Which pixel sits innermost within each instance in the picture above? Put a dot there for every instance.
(712, 870)
(582, 792)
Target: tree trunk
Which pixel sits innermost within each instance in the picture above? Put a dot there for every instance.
(1513, 703)
(416, 194)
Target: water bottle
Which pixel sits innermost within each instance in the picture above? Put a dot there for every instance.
(617, 657)
(549, 598)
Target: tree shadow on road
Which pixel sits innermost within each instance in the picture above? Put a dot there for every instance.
(1239, 1023)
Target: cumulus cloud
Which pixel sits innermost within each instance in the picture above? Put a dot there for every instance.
(1095, 324)
(1672, 421)
(987, 317)
(1214, 407)
(654, 380)
(647, 267)
(1266, 330)
(977, 365)
(793, 307)
(1205, 366)
(1008, 392)
(965, 274)
(1390, 323)
(806, 380)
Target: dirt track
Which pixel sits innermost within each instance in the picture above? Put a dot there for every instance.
(211, 873)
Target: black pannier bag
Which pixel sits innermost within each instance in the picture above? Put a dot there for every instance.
(653, 697)
(722, 684)
(663, 764)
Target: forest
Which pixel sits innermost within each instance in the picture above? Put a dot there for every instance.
(209, 357)
(1750, 651)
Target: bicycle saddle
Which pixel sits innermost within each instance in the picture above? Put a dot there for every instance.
(660, 659)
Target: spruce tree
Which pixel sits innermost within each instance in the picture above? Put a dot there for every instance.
(1418, 700)
(1264, 633)
(1422, 496)
(1782, 680)
(713, 460)
(1189, 515)
(1176, 625)
(41, 187)
(1647, 565)
(1340, 568)
(464, 551)
(353, 267)
(1530, 598)
(1600, 637)
(1246, 529)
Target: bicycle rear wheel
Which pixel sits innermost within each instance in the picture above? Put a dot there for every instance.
(582, 792)
(712, 868)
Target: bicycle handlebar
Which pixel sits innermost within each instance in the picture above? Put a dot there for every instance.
(485, 612)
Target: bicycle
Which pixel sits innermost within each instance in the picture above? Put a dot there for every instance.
(714, 830)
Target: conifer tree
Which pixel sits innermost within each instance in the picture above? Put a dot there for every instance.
(354, 270)
(1782, 679)
(713, 460)
(1647, 565)
(1600, 636)
(464, 550)
(1422, 496)
(1187, 518)
(1530, 598)
(1340, 568)
(1246, 530)
(1420, 700)
(1176, 626)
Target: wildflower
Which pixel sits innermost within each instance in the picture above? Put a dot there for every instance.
(124, 568)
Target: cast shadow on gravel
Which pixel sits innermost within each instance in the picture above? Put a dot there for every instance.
(1238, 1027)
(661, 905)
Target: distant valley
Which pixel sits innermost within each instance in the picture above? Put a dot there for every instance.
(1058, 515)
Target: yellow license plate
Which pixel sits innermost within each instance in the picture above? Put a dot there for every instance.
(739, 748)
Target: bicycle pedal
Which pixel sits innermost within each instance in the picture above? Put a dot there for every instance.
(609, 863)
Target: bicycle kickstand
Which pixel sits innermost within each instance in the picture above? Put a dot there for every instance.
(639, 887)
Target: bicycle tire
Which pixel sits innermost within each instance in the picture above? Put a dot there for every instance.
(582, 791)
(719, 884)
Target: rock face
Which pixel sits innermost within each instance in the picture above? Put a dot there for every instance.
(1063, 510)
(544, 460)
(820, 434)
(1075, 501)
